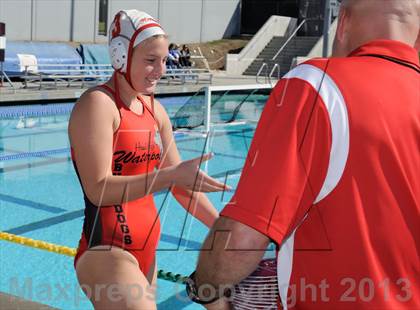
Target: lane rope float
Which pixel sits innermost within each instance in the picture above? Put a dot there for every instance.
(64, 250)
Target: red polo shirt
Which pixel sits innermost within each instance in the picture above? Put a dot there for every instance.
(332, 176)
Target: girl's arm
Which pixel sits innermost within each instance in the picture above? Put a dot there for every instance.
(195, 203)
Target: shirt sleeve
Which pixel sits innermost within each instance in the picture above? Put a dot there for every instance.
(287, 161)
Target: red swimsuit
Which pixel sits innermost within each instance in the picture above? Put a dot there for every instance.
(133, 226)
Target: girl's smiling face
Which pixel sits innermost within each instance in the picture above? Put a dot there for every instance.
(148, 64)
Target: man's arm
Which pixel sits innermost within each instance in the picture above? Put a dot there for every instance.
(230, 253)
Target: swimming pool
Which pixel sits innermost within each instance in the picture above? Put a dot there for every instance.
(40, 198)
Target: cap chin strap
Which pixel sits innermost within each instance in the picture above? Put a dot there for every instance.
(131, 47)
(117, 89)
(124, 76)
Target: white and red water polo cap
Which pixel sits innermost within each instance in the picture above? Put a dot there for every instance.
(130, 28)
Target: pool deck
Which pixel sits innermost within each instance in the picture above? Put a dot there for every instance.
(21, 95)
(10, 302)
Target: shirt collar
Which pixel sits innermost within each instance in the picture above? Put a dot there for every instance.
(390, 48)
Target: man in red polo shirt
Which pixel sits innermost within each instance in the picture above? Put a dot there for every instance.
(332, 175)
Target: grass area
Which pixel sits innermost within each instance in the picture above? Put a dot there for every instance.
(215, 51)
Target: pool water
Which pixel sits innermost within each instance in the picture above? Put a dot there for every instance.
(40, 198)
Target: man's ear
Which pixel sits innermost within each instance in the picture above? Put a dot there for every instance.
(340, 44)
(342, 25)
(417, 44)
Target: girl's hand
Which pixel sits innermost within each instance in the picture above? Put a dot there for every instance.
(188, 175)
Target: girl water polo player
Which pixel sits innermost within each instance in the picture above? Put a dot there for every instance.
(115, 131)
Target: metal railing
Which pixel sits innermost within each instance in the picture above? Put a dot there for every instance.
(289, 39)
(276, 66)
(58, 68)
(67, 73)
(183, 74)
(40, 74)
(264, 65)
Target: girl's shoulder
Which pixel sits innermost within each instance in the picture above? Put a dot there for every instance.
(94, 102)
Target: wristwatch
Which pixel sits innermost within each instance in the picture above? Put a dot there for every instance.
(192, 292)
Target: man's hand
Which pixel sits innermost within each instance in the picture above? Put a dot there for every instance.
(231, 252)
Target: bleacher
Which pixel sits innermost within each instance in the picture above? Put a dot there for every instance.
(184, 75)
(67, 74)
(83, 75)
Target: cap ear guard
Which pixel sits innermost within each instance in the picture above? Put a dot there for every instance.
(118, 53)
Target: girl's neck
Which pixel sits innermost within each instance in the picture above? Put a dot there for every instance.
(127, 94)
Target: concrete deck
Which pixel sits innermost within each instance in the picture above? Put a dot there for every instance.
(32, 93)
